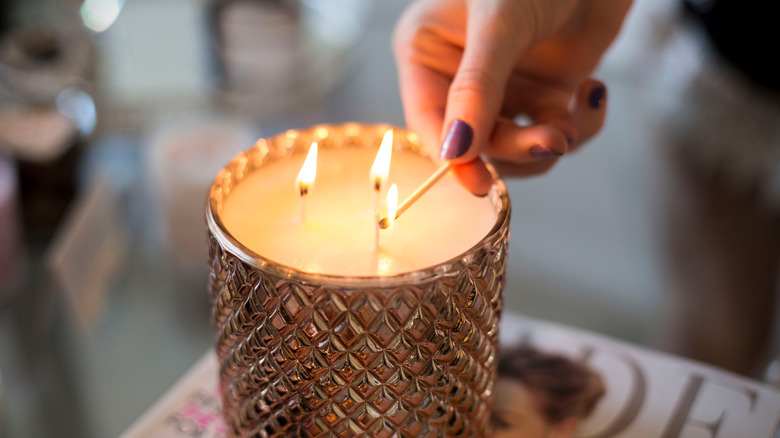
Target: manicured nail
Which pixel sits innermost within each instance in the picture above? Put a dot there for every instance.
(457, 141)
(539, 151)
(596, 97)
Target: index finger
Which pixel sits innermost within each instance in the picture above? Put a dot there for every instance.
(423, 94)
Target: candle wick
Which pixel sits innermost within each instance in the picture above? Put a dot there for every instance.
(304, 190)
(377, 190)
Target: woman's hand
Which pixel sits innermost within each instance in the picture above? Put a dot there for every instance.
(472, 66)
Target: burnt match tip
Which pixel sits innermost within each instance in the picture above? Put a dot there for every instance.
(384, 223)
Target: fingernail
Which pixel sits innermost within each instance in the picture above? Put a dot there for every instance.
(596, 97)
(539, 151)
(457, 141)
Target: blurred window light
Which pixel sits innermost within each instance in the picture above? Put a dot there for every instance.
(78, 106)
(99, 15)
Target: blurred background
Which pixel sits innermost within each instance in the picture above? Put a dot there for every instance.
(116, 115)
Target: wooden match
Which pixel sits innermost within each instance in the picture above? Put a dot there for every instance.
(384, 223)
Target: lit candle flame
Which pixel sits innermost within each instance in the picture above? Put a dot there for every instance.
(392, 204)
(308, 171)
(381, 166)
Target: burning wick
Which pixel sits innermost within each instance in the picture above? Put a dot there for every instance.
(386, 221)
(381, 167)
(305, 179)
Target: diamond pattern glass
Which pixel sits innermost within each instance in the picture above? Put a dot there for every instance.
(311, 355)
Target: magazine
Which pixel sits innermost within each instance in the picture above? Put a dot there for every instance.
(553, 381)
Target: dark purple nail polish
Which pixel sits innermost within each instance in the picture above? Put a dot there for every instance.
(596, 97)
(539, 151)
(457, 141)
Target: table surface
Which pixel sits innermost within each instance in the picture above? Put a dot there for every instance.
(648, 394)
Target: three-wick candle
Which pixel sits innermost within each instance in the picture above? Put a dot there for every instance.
(337, 235)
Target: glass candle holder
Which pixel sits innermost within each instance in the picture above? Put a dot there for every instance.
(308, 354)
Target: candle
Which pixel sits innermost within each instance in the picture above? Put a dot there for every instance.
(319, 333)
(337, 236)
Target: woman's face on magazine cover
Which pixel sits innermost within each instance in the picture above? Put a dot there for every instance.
(517, 415)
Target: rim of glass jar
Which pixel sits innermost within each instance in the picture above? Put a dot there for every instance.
(241, 164)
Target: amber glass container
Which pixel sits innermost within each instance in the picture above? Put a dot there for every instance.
(307, 354)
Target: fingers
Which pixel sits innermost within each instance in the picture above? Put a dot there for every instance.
(456, 96)
(426, 45)
(585, 118)
(493, 43)
(522, 145)
(590, 110)
(512, 170)
(532, 150)
(474, 176)
(578, 122)
(423, 93)
(525, 151)
(519, 151)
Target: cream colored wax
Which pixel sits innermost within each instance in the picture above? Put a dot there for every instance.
(337, 236)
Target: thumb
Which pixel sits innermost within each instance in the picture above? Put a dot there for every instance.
(493, 44)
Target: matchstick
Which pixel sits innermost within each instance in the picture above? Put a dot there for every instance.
(424, 187)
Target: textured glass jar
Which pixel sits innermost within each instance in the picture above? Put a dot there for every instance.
(305, 354)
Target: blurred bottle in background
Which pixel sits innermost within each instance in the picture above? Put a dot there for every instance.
(12, 252)
(182, 162)
(273, 56)
(257, 47)
(46, 111)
